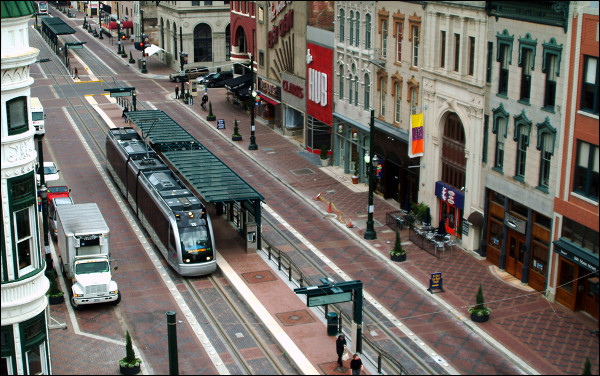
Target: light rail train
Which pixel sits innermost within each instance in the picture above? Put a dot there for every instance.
(176, 220)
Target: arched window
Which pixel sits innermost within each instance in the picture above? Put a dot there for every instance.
(350, 92)
(500, 128)
(341, 71)
(522, 131)
(545, 144)
(356, 90)
(368, 32)
(202, 43)
(351, 21)
(367, 101)
(357, 29)
(398, 98)
(453, 152)
(342, 25)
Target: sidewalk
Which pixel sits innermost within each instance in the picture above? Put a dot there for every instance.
(548, 337)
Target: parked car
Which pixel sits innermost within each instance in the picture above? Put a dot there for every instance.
(50, 172)
(202, 80)
(188, 74)
(218, 79)
(58, 189)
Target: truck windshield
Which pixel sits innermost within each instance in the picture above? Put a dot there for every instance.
(35, 116)
(91, 267)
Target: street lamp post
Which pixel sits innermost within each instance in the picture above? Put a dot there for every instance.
(44, 197)
(133, 99)
(370, 233)
(252, 145)
(119, 36)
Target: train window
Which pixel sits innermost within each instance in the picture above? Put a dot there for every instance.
(171, 238)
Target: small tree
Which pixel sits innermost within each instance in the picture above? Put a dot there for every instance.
(129, 360)
(210, 115)
(324, 151)
(54, 290)
(480, 309)
(355, 168)
(587, 367)
(236, 136)
(397, 250)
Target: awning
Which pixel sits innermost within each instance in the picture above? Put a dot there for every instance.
(269, 100)
(574, 253)
(238, 82)
(112, 25)
(127, 24)
(476, 219)
(152, 49)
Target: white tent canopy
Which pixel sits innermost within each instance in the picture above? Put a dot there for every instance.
(153, 49)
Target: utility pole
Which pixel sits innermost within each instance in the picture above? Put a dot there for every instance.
(252, 145)
(143, 41)
(181, 58)
(370, 233)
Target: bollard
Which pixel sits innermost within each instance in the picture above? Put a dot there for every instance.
(172, 342)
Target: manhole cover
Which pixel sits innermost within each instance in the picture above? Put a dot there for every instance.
(302, 171)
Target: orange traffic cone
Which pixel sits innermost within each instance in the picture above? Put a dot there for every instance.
(329, 210)
(350, 223)
(318, 197)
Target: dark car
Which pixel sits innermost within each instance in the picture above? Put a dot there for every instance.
(202, 80)
(218, 79)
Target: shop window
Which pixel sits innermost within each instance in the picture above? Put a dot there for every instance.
(539, 259)
(368, 31)
(17, 115)
(519, 209)
(586, 170)
(443, 49)
(589, 85)
(566, 276)
(342, 22)
(542, 220)
(497, 198)
(456, 52)
(495, 237)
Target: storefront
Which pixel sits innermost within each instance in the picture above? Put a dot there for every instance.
(577, 277)
(319, 97)
(351, 142)
(270, 110)
(517, 239)
(451, 205)
(294, 105)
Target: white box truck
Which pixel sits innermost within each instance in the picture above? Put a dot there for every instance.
(37, 116)
(84, 247)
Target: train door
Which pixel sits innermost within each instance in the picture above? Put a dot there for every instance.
(515, 254)
(450, 215)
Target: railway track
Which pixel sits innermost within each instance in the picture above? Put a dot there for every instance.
(205, 302)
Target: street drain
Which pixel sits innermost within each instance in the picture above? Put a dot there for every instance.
(302, 171)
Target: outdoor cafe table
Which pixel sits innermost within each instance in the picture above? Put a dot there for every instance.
(426, 244)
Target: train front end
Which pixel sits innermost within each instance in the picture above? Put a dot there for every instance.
(196, 243)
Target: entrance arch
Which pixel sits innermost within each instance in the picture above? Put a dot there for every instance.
(202, 43)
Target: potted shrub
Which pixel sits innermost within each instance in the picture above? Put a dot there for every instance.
(479, 312)
(355, 176)
(129, 365)
(323, 155)
(419, 210)
(55, 295)
(236, 136)
(210, 116)
(398, 253)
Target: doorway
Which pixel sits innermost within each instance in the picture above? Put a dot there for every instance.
(515, 254)
(449, 215)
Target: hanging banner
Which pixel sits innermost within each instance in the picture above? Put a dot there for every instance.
(415, 139)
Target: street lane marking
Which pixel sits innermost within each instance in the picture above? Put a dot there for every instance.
(185, 310)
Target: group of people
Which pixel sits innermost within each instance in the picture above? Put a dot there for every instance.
(356, 365)
(191, 98)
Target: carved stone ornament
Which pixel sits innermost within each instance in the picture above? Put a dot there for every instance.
(20, 151)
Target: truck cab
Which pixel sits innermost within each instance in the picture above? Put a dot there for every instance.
(37, 116)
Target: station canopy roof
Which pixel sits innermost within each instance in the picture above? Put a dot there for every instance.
(57, 26)
(209, 176)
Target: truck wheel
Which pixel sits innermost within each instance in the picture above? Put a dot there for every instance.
(74, 305)
(118, 299)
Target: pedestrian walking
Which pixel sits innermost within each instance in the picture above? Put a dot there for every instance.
(356, 365)
(125, 111)
(191, 100)
(75, 75)
(176, 92)
(340, 348)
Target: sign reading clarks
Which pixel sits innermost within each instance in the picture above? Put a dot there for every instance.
(292, 91)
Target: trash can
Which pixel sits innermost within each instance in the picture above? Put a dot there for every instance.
(332, 324)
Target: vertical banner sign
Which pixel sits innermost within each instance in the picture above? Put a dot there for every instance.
(415, 139)
(319, 70)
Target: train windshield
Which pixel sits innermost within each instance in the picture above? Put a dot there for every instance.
(196, 244)
(91, 267)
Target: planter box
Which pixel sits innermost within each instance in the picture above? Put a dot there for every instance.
(129, 370)
(355, 180)
(399, 258)
(325, 162)
(211, 118)
(53, 300)
(477, 318)
(236, 138)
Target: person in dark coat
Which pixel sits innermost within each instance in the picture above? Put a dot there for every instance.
(176, 92)
(340, 347)
(356, 365)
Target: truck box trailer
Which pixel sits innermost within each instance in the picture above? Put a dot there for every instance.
(84, 248)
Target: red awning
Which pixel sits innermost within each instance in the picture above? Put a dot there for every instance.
(112, 25)
(127, 24)
(269, 100)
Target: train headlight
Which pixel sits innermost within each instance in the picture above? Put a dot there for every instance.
(191, 215)
(187, 261)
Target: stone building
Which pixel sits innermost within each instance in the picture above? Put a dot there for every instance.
(25, 346)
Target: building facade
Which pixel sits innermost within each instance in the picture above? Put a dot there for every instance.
(527, 60)
(573, 262)
(25, 346)
(243, 28)
(197, 28)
